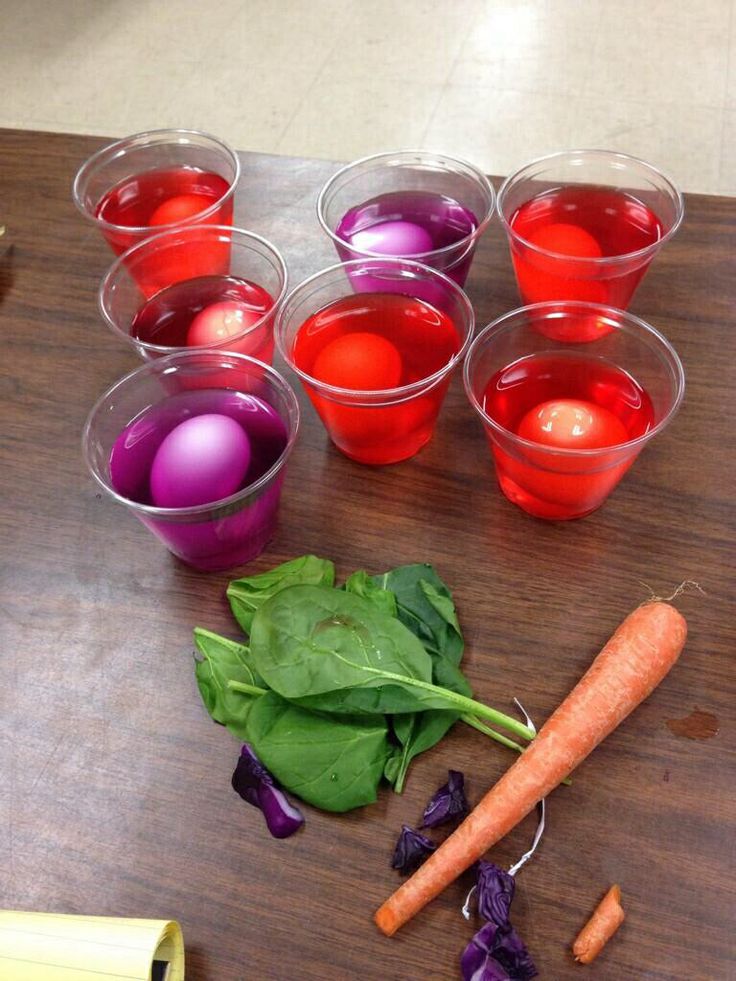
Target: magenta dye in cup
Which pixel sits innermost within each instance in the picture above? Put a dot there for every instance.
(200, 463)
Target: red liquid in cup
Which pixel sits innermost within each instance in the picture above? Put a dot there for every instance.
(156, 199)
(425, 340)
(558, 486)
(582, 223)
(166, 318)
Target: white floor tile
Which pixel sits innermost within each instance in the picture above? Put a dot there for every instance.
(499, 130)
(496, 81)
(727, 169)
(682, 140)
(355, 121)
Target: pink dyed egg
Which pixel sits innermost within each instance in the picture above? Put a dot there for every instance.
(393, 238)
(202, 460)
(218, 321)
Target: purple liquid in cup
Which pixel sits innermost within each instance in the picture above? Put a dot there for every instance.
(409, 224)
(226, 533)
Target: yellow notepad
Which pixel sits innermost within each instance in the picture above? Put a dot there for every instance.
(53, 947)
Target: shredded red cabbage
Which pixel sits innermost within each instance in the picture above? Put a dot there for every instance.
(256, 786)
(412, 848)
(495, 893)
(496, 952)
(447, 803)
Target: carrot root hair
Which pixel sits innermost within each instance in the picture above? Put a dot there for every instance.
(685, 585)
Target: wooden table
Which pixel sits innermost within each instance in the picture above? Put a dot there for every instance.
(115, 795)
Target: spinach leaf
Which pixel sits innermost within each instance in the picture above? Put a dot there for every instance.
(247, 595)
(334, 763)
(223, 661)
(417, 732)
(425, 606)
(361, 584)
(420, 731)
(336, 650)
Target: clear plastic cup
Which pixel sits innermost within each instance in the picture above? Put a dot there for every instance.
(191, 255)
(130, 421)
(585, 224)
(515, 367)
(142, 156)
(396, 179)
(392, 424)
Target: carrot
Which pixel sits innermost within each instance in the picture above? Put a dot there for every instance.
(599, 929)
(627, 670)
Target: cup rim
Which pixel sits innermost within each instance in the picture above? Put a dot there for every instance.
(162, 366)
(466, 241)
(580, 306)
(376, 396)
(591, 261)
(118, 147)
(193, 231)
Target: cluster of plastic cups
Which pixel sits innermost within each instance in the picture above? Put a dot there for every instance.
(549, 482)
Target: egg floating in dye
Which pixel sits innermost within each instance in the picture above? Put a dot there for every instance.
(202, 460)
(179, 208)
(566, 239)
(572, 424)
(218, 321)
(393, 238)
(361, 361)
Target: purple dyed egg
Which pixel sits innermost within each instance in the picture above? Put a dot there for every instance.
(202, 460)
(399, 238)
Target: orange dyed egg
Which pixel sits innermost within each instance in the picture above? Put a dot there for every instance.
(361, 361)
(179, 208)
(572, 424)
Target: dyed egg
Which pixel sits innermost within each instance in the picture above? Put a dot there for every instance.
(572, 424)
(393, 238)
(179, 208)
(564, 239)
(202, 460)
(360, 361)
(218, 321)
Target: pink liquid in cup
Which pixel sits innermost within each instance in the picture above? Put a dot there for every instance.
(576, 224)
(209, 311)
(561, 402)
(374, 342)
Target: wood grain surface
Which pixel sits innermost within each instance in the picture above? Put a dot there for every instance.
(115, 794)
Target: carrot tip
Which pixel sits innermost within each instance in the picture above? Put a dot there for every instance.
(386, 921)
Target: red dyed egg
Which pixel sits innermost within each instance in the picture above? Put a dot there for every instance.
(564, 239)
(572, 424)
(361, 361)
(218, 321)
(179, 208)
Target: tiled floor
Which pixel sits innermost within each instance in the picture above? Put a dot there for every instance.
(496, 81)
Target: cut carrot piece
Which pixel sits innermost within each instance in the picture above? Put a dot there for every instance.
(627, 670)
(599, 929)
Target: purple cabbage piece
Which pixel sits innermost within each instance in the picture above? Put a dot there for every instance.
(447, 803)
(412, 848)
(256, 786)
(495, 893)
(497, 953)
